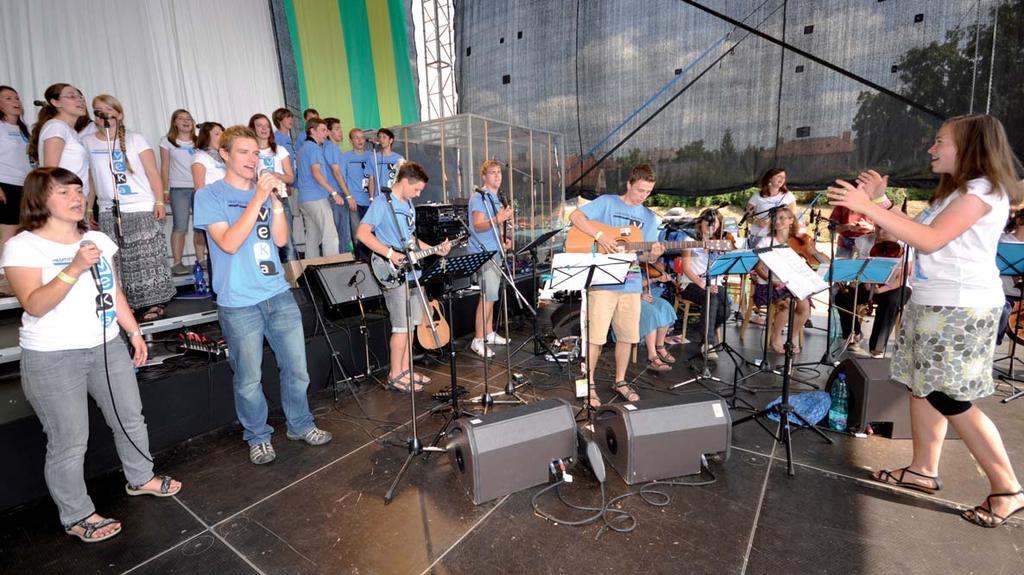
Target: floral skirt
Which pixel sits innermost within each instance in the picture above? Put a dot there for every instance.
(946, 349)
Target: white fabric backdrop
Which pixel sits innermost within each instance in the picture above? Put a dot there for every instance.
(215, 58)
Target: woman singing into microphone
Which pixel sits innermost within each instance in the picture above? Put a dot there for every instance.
(70, 349)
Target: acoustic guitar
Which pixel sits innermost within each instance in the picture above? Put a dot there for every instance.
(631, 239)
(425, 336)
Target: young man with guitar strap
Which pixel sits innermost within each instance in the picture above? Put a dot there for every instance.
(387, 230)
(618, 306)
(486, 216)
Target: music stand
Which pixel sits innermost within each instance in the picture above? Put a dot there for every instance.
(1010, 259)
(802, 282)
(539, 345)
(580, 272)
(448, 270)
(861, 270)
(736, 262)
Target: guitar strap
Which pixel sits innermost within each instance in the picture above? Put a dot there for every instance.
(501, 247)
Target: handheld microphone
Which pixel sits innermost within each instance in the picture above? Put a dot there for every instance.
(101, 115)
(352, 280)
(280, 188)
(39, 103)
(93, 269)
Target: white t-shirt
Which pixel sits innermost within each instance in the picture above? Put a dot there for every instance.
(179, 174)
(72, 324)
(964, 273)
(214, 167)
(14, 164)
(133, 189)
(761, 204)
(74, 157)
(272, 161)
(699, 264)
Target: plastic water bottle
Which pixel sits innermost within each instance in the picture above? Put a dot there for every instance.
(840, 399)
(199, 278)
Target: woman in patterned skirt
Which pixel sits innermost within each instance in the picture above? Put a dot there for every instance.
(947, 338)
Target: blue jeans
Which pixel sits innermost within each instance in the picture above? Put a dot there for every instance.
(343, 221)
(58, 385)
(278, 319)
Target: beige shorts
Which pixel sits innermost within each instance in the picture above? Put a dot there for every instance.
(615, 309)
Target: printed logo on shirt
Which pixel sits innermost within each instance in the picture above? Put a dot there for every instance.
(392, 171)
(120, 168)
(262, 252)
(627, 220)
(267, 162)
(105, 301)
(263, 232)
(264, 214)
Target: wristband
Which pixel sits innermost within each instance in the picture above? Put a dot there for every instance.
(880, 199)
(390, 252)
(161, 204)
(277, 210)
(66, 278)
(598, 235)
(132, 334)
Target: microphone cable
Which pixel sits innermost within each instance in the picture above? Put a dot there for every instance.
(100, 313)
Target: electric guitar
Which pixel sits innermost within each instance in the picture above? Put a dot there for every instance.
(631, 239)
(389, 277)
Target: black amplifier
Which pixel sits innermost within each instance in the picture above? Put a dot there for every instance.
(435, 222)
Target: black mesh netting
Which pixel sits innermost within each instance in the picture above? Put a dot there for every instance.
(712, 105)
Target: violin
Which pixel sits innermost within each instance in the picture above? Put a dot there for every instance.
(803, 244)
(886, 249)
(508, 223)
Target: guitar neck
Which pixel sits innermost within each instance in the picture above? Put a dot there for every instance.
(680, 245)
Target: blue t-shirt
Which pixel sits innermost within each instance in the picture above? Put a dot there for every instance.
(609, 209)
(488, 205)
(357, 168)
(285, 139)
(332, 156)
(387, 169)
(253, 273)
(309, 189)
(379, 217)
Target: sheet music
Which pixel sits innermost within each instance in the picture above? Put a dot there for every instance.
(793, 271)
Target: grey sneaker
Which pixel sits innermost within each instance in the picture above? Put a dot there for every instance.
(315, 436)
(180, 270)
(262, 453)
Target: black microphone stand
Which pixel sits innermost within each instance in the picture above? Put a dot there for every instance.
(413, 444)
(115, 210)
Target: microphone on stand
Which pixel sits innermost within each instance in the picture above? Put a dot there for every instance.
(102, 116)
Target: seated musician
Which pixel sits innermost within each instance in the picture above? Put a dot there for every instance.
(695, 266)
(886, 297)
(487, 217)
(378, 232)
(785, 226)
(618, 306)
(657, 316)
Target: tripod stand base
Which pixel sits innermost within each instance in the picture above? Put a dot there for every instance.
(414, 447)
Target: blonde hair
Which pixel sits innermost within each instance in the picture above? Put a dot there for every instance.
(487, 165)
(116, 105)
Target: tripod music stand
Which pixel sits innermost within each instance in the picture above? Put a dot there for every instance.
(448, 270)
(802, 282)
(1010, 259)
(539, 345)
(581, 271)
(736, 262)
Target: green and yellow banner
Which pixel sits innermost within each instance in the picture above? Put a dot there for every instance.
(352, 59)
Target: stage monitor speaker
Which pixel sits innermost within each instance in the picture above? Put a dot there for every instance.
(661, 438)
(346, 282)
(874, 396)
(501, 453)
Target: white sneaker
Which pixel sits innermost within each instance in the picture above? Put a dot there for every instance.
(495, 339)
(480, 348)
